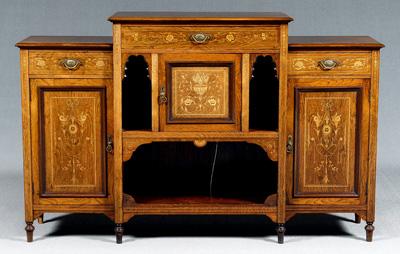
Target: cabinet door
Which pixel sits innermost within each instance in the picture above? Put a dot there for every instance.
(203, 92)
(71, 120)
(329, 127)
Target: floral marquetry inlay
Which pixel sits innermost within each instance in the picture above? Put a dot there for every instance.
(200, 92)
(354, 63)
(72, 140)
(327, 140)
(158, 37)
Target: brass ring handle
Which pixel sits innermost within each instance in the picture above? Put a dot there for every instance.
(71, 63)
(200, 38)
(328, 64)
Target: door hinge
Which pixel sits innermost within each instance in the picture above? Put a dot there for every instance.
(110, 144)
(289, 145)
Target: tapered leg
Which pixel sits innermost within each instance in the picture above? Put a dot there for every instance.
(119, 231)
(369, 229)
(280, 230)
(29, 231)
(40, 219)
(357, 218)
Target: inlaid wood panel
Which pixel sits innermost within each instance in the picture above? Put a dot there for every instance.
(200, 92)
(72, 130)
(328, 120)
(348, 63)
(180, 37)
(326, 141)
(201, 89)
(48, 62)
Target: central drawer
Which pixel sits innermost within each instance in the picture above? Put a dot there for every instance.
(201, 38)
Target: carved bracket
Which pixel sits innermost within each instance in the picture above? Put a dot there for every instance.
(269, 146)
(130, 146)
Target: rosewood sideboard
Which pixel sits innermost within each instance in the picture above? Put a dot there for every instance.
(199, 113)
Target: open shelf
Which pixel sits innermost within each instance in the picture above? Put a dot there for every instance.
(194, 205)
(264, 93)
(190, 200)
(218, 173)
(136, 94)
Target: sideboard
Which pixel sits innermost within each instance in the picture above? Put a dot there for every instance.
(199, 113)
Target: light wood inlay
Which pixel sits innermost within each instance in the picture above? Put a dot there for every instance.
(178, 37)
(47, 62)
(72, 123)
(354, 63)
(203, 92)
(326, 142)
(200, 92)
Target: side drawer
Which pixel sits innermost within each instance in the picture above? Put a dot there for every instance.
(64, 62)
(201, 38)
(329, 63)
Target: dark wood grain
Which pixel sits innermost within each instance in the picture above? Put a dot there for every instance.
(70, 42)
(333, 42)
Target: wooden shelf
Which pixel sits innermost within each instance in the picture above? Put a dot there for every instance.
(193, 205)
(191, 200)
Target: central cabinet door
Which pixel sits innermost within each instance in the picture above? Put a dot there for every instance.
(200, 92)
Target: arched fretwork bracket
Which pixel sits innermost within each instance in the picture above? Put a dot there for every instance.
(268, 141)
(130, 146)
(269, 146)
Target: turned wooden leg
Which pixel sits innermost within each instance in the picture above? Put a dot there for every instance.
(40, 219)
(369, 229)
(357, 218)
(119, 231)
(29, 231)
(280, 230)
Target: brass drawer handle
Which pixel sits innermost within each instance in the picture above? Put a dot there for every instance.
(328, 64)
(71, 64)
(200, 38)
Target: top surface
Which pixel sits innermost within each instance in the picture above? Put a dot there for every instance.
(85, 42)
(333, 42)
(199, 17)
